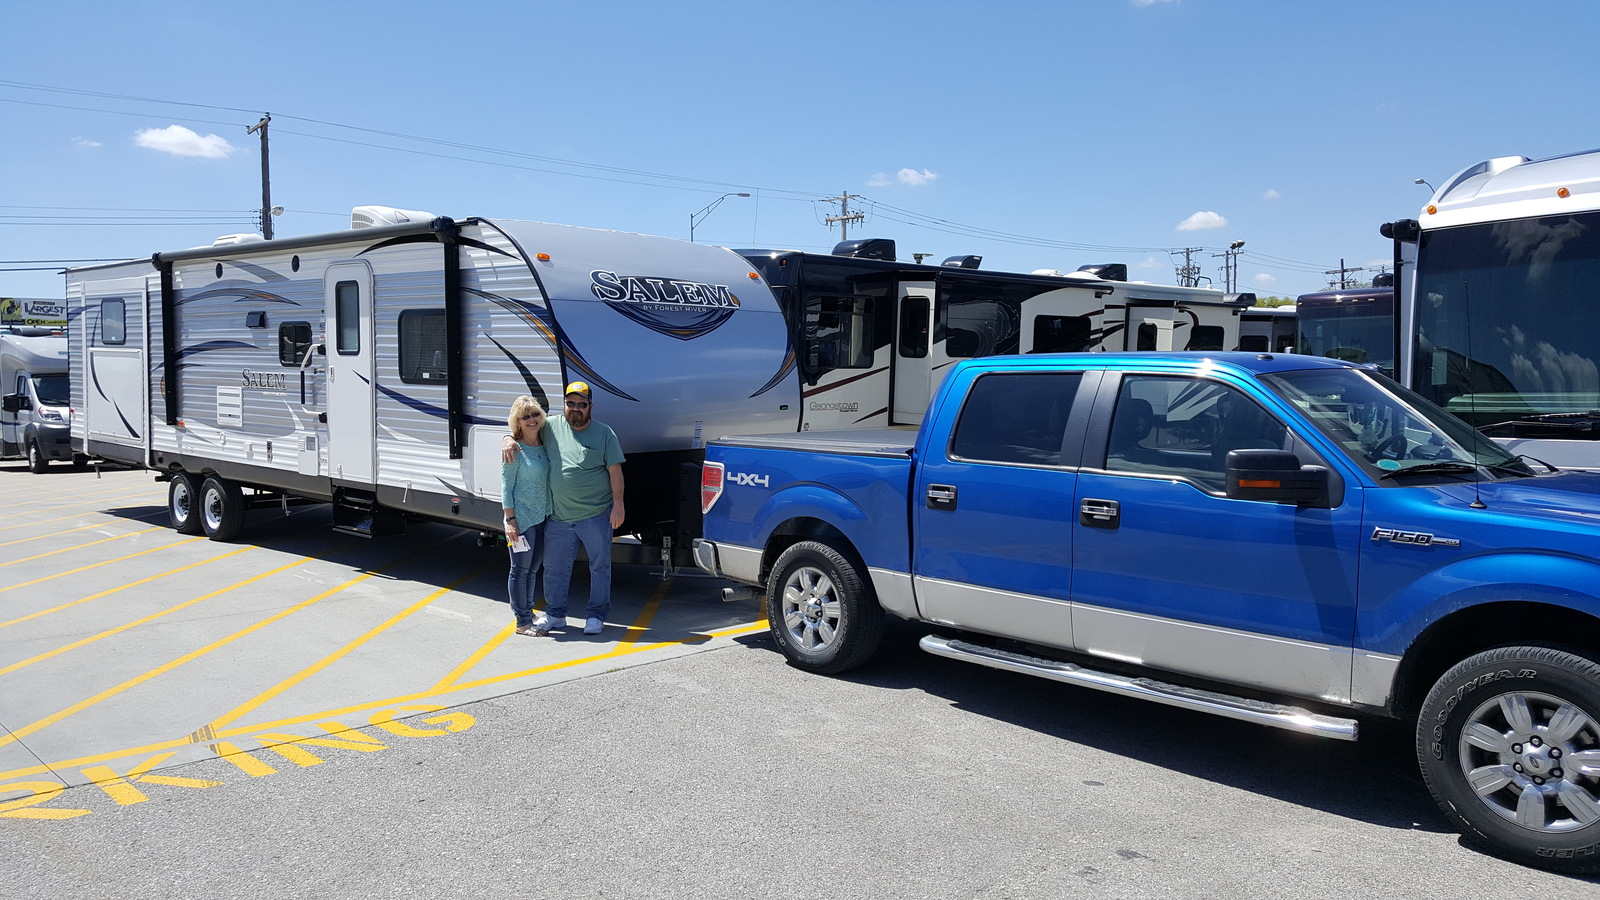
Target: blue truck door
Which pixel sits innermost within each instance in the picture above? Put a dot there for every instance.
(992, 508)
(1170, 573)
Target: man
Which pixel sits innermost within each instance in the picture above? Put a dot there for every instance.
(586, 507)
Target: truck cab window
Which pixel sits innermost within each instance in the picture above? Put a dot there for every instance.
(1185, 427)
(113, 323)
(1015, 417)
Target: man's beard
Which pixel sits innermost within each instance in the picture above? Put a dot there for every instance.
(577, 418)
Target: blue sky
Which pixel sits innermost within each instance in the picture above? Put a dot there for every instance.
(1098, 122)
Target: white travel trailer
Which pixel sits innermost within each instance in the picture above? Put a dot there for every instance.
(34, 406)
(373, 368)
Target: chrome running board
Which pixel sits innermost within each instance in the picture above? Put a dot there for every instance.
(1261, 712)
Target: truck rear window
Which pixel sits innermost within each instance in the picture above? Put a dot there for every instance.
(1018, 418)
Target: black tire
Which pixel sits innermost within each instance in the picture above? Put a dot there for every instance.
(859, 618)
(37, 463)
(183, 503)
(221, 509)
(1492, 691)
(80, 462)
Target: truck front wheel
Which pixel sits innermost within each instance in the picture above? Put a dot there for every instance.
(821, 609)
(1509, 744)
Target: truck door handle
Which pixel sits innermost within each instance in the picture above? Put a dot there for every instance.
(941, 496)
(1100, 513)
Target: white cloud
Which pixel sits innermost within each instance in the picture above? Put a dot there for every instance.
(1202, 220)
(1141, 4)
(86, 143)
(180, 141)
(1149, 262)
(907, 177)
(1271, 194)
(1262, 279)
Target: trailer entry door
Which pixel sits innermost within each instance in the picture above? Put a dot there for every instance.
(348, 339)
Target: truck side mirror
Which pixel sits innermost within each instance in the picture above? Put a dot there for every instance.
(1275, 476)
(11, 403)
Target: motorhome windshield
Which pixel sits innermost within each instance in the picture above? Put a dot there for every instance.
(52, 389)
(1508, 324)
(1354, 327)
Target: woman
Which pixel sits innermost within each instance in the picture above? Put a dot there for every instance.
(525, 496)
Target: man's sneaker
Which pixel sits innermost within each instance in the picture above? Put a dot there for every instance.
(545, 622)
(593, 626)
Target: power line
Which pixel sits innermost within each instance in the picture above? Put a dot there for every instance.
(116, 112)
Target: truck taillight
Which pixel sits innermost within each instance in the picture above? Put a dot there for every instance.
(710, 485)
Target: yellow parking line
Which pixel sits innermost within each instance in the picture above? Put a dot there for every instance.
(237, 731)
(72, 515)
(115, 537)
(109, 632)
(40, 537)
(477, 655)
(12, 587)
(335, 656)
(166, 667)
(53, 502)
(122, 587)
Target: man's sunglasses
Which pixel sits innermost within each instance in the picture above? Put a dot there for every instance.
(577, 404)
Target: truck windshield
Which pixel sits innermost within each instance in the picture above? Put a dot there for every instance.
(1386, 428)
(52, 389)
(1530, 288)
(1356, 328)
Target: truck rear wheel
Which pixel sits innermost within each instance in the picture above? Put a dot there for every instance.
(221, 509)
(1509, 745)
(183, 504)
(37, 463)
(821, 610)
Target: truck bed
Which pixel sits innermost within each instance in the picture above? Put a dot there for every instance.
(891, 442)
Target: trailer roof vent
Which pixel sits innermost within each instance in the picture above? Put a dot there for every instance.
(867, 248)
(376, 216)
(1107, 271)
(242, 238)
(1383, 279)
(962, 262)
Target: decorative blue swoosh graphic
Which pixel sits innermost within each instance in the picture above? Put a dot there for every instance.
(261, 272)
(205, 347)
(682, 322)
(433, 239)
(543, 324)
(243, 293)
(789, 360)
(534, 387)
(420, 406)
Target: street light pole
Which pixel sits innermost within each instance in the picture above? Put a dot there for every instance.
(701, 214)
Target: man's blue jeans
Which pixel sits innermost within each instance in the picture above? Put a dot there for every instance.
(561, 541)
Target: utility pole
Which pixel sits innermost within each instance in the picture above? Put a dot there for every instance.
(266, 175)
(1342, 271)
(1230, 266)
(1189, 272)
(845, 216)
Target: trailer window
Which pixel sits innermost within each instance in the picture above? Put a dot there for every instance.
(294, 339)
(838, 334)
(1061, 334)
(423, 347)
(347, 316)
(113, 322)
(1017, 418)
(1205, 337)
(914, 327)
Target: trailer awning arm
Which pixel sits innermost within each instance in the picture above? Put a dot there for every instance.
(169, 339)
(450, 236)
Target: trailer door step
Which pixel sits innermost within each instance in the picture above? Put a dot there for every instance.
(1261, 712)
(358, 513)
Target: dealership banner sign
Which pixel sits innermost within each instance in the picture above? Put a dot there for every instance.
(33, 311)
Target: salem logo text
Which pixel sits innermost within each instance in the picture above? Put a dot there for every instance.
(678, 309)
(276, 382)
(750, 479)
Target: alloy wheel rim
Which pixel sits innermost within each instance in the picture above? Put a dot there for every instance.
(213, 509)
(1533, 759)
(181, 501)
(810, 609)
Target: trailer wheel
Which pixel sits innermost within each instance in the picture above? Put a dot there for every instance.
(37, 464)
(821, 611)
(221, 509)
(80, 462)
(1509, 745)
(183, 504)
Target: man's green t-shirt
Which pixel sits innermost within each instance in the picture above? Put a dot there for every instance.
(580, 487)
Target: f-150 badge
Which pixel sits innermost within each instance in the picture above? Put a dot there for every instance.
(1417, 538)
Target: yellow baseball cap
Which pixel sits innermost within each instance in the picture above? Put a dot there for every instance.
(579, 387)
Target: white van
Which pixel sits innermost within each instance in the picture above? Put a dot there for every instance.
(35, 412)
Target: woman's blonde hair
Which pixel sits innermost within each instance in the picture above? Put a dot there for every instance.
(519, 408)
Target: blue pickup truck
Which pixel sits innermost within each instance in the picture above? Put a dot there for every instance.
(1287, 540)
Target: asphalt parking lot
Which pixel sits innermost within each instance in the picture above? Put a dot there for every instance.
(326, 715)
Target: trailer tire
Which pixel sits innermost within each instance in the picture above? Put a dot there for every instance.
(822, 612)
(183, 504)
(37, 462)
(80, 462)
(1525, 723)
(221, 509)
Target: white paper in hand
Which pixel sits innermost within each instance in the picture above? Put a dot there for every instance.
(521, 546)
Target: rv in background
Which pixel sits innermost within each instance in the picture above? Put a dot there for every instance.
(372, 368)
(1267, 329)
(1498, 321)
(34, 407)
(1354, 325)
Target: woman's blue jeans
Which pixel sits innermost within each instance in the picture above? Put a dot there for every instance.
(524, 575)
